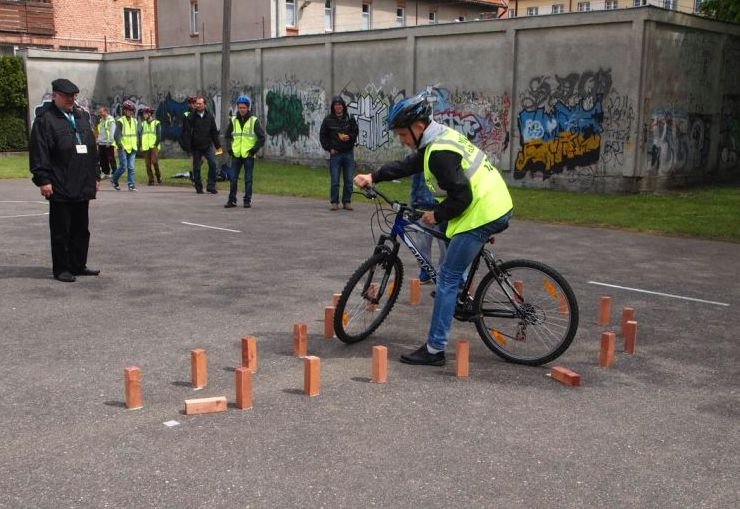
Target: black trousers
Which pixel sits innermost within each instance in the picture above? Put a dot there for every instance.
(106, 158)
(70, 237)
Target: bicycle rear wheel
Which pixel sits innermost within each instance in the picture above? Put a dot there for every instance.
(543, 324)
(368, 297)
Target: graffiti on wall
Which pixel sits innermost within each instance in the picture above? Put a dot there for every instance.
(482, 118)
(729, 133)
(295, 110)
(678, 142)
(370, 106)
(562, 122)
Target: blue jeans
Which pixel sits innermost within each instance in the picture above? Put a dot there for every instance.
(461, 251)
(236, 166)
(210, 155)
(344, 162)
(126, 161)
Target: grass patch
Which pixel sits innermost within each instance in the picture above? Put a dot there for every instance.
(708, 212)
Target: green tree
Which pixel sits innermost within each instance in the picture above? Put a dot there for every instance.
(13, 104)
(723, 10)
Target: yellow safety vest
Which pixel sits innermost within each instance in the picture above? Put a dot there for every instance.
(244, 138)
(149, 135)
(107, 126)
(491, 198)
(128, 133)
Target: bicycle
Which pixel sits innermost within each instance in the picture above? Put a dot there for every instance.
(524, 311)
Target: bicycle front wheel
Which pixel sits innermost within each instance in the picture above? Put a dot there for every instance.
(368, 297)
(542, 323)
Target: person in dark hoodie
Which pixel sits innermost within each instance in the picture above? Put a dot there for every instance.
(63, 161)
(338, 136)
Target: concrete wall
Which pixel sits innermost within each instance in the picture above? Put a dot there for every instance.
(612, 101)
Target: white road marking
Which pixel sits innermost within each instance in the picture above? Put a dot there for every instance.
(660, 293)
(211, 227)
(25, 215)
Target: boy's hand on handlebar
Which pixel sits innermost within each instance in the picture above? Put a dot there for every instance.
(428, 217)
(363, 180)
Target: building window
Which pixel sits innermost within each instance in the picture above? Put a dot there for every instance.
(533, 11)
(432, 18)
(611, 4)
(194, 24)
(290, 18)
(639, 3)
(669, 4)
(512, 13)
(558, 8)
(132, 24)
(584, 6)
(697, 5)
(400, 17)
(328, 16)
(367, 18)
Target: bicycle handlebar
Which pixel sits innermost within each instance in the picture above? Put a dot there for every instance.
(371, 192)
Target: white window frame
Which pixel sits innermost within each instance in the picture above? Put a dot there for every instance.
(131, 24)
(670, 4)
(533, 11)
(611, 5)
(291, 16)
(367, 16)
(432, 17)
(584, 6)
(697, 5)
(400, 16)
(328, 16)
(639, 3)
(512, 13)
(558, 8)
(194, 21)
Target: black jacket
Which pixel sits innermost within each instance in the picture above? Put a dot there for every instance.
(333, 125)
(202, 131)
(54, 159)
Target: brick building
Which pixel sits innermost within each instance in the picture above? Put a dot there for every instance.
(81, 25)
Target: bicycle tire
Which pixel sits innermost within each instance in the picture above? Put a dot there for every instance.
(548, 321)
(356, 316)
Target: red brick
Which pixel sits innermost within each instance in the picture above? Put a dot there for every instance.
(565, 376)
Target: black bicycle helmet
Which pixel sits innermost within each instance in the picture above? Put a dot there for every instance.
(408, 111)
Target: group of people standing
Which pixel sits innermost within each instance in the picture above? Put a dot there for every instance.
(130, 136)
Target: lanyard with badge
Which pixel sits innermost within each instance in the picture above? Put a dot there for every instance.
(80, 147)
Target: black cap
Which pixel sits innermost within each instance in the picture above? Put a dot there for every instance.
(65, 86)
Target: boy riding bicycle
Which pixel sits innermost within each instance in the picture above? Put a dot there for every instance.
(473, 200)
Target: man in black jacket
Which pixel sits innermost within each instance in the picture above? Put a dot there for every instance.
(63, 161)
(203, 138)
(338, 136)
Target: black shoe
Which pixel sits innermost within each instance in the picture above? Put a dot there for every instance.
(247, 205)
(212, 190)
(230, 205)
(423, 357)
(86, 272)
(199, 190)
(65, 277)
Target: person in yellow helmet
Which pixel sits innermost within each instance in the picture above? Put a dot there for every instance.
(472, 197)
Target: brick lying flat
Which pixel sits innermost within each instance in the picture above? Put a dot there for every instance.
(565, 376)
(205, 405)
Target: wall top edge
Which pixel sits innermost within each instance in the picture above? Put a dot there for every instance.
(40, 54)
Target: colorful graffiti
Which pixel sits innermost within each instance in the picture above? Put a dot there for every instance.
(483, 119)
(679, 143)
(561, 123)
(370, 106)
(294, 113)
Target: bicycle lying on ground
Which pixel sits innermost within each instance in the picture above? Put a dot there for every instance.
(524, 310)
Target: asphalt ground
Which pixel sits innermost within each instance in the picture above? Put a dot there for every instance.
(661, 428)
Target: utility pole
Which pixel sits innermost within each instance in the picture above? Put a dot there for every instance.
(225, 64)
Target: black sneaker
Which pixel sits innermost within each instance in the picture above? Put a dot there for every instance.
(65, 277)
(212, 190)
(230, 205)
(422, 357)
(247, 205)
